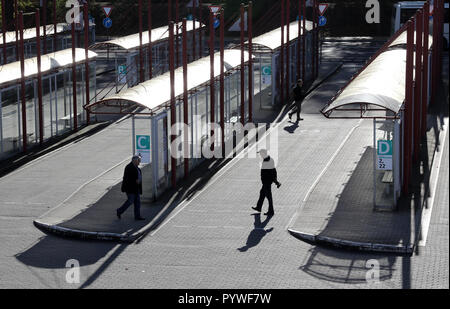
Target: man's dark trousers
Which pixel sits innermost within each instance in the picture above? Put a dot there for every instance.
(132, 199)
(297, 109)
(266, 191)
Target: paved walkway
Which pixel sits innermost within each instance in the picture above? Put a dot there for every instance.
(89, 212)
(214, 239)
(325, 167)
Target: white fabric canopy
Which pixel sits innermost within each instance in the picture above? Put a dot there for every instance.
(272, 39)
(30, 33)
(11, 72)
(155, 92)
(382, 83)
(132, 41)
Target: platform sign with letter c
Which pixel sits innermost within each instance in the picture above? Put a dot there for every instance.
(384, 155)
(266, 75)
(143, 148)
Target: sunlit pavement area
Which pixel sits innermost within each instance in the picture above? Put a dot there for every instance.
(214, 239)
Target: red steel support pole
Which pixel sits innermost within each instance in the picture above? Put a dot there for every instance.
(141, 52)
(250, 60)
(299, 38)
(436, 45)
(150, 45)
(16, 23)
(408, 106)
(177, 36)
(434, 58)
(222, 81)
(86, 61)
(304, 40)
(313, 39)
(169, 11)
(194, 30)
(172, 102)
(425, 77)
(200, 50)
(212, 89)
(74, 80)
(44, 18)
(54, 27)
(242, 28)
(288, 48)
(418, 84)
(441, 36)
(317, 38)
(39, 77)
(22, 85)
(282, 55)
(185, 102)
(5, 56)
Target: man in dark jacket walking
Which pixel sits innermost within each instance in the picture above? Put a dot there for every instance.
(268, 176)
(132, 186)
(298, 98)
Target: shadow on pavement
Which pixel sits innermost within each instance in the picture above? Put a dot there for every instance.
(258, 232)
(349, 268)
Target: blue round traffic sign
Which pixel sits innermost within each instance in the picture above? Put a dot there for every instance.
(107, 22)
(322, 21)
(216, 23)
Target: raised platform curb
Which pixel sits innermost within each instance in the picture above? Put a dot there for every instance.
(71, 233)
(361, 246)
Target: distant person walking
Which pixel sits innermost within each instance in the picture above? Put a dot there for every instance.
(268, 176)
(132, 186)
(298, 98)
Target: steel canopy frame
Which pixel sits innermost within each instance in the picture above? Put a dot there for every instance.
(396, 41)
(130, 42)
(196, 81)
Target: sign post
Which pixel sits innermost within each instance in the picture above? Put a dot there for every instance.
(143, 148)
(215, 9)
(122, 74)
(266, 75)
(322, 19)
(384, 155)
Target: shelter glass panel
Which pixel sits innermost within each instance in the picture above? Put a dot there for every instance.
(384, 164)
(10, 114)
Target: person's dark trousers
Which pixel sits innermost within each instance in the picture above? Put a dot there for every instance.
(297, 109)
(266, 191)
(132, 199)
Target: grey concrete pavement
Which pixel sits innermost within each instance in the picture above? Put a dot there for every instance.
(89, 213)
(214, 240)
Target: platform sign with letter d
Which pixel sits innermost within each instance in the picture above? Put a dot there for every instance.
(143, 148)
(384, 155)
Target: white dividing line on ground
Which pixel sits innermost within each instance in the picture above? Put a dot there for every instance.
(56, 151)
(85, 184)
(227, 167)
(434, 178)
(324, 170)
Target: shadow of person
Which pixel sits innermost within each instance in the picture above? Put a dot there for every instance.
(258, 232)
(291, 129)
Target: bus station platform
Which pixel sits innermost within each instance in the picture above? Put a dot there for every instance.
(324, 168)
(339, 209)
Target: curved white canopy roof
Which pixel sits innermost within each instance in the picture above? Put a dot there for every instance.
(158, 34)
(11, 72)
(378, 90)
(401, 40)
(272, 39)
(30, 33)
(155, 92)
(381, 84)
